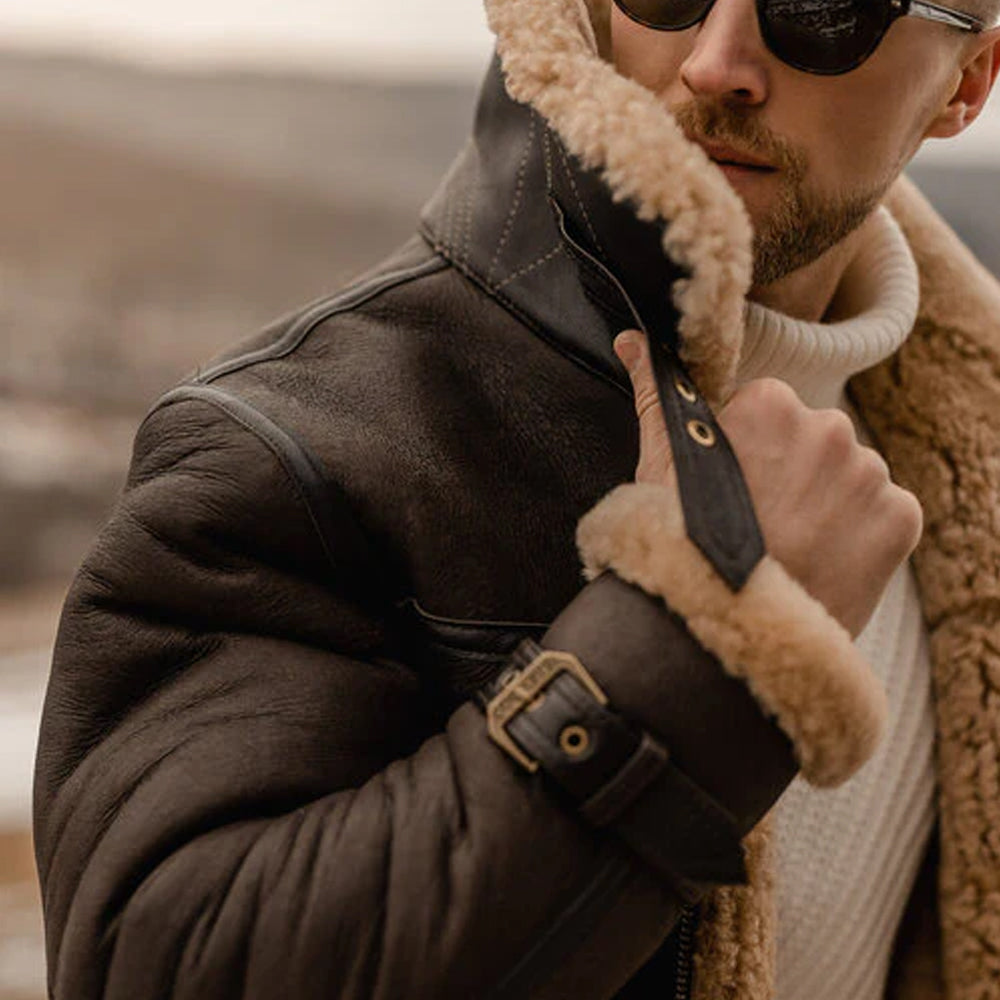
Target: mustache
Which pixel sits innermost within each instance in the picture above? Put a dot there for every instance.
(744, 132)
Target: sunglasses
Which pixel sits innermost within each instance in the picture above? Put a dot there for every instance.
(817, 36)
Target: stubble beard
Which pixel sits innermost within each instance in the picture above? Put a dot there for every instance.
(801, 226)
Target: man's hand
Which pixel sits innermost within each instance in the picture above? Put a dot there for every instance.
(826, 504)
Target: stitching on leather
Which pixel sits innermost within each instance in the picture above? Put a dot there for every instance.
(508, 227)
(469, 216)
(579, 200)
(597, 286)
(528, 268)
(547, 146)
(517, 312)
(448, 221)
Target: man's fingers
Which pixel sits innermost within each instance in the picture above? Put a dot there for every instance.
(654, 445)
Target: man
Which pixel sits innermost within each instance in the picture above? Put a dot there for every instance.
(331, 712)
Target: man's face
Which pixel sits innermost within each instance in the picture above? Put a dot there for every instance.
(814, 154)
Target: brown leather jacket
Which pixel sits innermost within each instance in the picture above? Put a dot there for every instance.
(260, 769)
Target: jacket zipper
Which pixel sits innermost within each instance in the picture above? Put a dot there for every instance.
(685, 955)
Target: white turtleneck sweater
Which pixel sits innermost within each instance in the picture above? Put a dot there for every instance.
(848, 858)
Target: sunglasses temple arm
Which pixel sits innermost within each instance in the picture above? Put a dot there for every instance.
(945, 15)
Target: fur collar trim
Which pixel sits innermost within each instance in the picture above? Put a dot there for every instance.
(613, 125)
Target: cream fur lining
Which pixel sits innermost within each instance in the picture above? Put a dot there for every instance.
(800, 664)
(550, 57)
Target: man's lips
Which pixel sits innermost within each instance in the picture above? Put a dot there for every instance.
(726, 156)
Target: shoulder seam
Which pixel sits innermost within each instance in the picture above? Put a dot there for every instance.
(317, 494)
(343, 301)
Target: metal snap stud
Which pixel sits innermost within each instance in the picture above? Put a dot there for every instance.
(685, 389)
(701, 433)
(574, 740)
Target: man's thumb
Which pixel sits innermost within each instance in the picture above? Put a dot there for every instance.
(628, 347)
(633, 352)
(654, 448)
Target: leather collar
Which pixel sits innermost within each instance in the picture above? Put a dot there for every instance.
(529, 224)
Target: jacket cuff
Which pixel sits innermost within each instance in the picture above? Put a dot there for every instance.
(799, 663)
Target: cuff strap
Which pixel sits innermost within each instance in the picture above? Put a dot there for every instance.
(617, 776)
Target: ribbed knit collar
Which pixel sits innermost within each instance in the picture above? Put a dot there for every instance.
(880, 294)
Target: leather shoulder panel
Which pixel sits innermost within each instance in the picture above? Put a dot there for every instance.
(414, 260)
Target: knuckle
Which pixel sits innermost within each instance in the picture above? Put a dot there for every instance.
(764, 397)
(835, 431)
(873, 466)
(771, 393)
(907, 519)
(912, 513)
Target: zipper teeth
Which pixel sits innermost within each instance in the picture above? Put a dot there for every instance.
(685, 949)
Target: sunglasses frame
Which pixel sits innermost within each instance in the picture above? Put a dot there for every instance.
(895, 9)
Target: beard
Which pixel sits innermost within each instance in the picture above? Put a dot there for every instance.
(802, 225)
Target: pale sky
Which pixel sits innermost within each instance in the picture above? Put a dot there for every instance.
(440, 37)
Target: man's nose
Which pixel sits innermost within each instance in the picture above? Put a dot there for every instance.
(729, 58)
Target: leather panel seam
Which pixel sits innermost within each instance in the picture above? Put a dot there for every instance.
(344, 301)
(528, 268)
(579, 200)
(302, 470)
(517, 201)
(518, 313)
(470, 623)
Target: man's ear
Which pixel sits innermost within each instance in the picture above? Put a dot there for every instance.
(978, 74)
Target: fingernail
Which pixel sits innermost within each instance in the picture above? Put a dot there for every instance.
(627, 349)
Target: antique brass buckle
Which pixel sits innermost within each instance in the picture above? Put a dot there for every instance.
(525, 691)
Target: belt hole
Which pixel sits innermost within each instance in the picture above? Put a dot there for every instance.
(701, 433)
(574, 741)
(686, 389)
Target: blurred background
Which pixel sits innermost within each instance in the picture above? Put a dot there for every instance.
(172, 176)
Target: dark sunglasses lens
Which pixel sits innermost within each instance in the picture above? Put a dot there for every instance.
(666, 15)
(823, 36)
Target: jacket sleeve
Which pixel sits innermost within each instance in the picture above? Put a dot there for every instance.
(236, 795)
